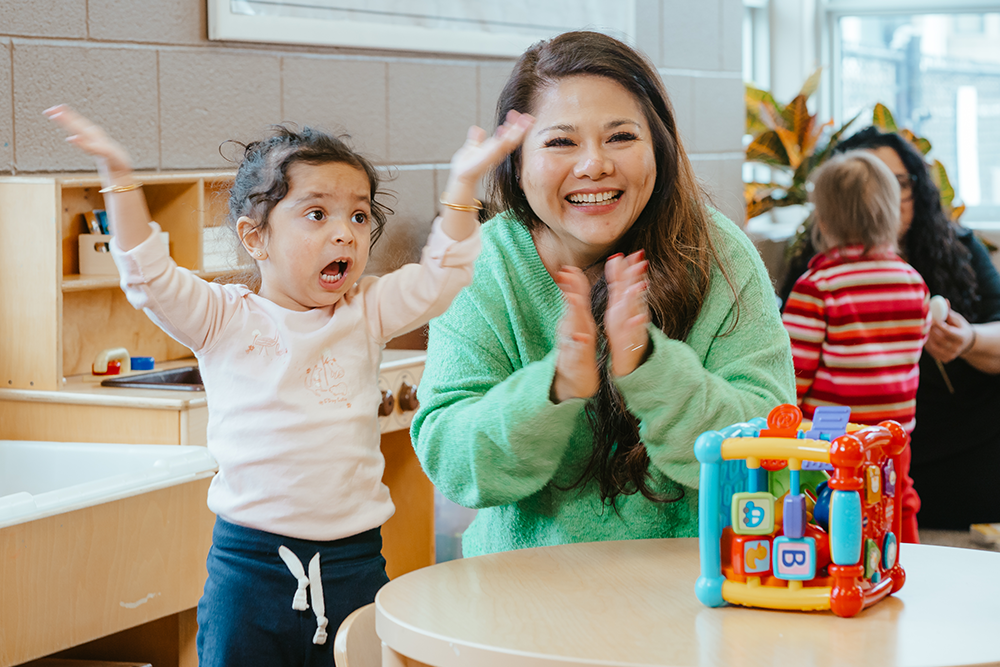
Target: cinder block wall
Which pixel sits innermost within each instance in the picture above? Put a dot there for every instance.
(147, 71)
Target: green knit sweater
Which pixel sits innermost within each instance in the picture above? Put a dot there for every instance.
(489, 437)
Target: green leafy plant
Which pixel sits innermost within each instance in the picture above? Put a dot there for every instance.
(787, 138)
(883, 120)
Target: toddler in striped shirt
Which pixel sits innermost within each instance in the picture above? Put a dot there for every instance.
(858, 317)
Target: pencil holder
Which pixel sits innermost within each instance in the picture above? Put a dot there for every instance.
(95, 254)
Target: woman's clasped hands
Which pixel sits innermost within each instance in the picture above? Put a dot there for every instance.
(577, 373)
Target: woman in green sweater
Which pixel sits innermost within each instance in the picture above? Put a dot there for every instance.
(613, 318)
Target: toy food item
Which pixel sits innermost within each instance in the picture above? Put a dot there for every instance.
(939, 308)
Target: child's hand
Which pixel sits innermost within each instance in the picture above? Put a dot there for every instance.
(112, 160)
(128, 214)
(627, 315)
(576, 366)
(479, 153)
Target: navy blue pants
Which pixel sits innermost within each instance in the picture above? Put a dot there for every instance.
(246, 618)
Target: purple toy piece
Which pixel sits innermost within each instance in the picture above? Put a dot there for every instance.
(889, 478)
(816, 465)
(829, 419)
(794, 516)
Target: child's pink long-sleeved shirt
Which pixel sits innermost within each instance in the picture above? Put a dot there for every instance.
(293, 396)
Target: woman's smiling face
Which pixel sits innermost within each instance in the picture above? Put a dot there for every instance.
(587, 168)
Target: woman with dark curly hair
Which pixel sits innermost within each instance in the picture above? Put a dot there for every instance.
(956, 442)
(613, 318)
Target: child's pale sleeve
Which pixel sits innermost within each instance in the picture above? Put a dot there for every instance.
(192, 311)
(805, 321)
(412, 295)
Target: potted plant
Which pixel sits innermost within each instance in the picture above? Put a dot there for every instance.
(788, 139)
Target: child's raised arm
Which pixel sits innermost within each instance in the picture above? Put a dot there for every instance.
(128, 214)
(478, 154)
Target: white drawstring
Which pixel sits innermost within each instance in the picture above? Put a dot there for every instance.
(319, 605)
(295, 567)
(315, 580)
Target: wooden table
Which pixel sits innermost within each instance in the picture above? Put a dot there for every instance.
(633, 603)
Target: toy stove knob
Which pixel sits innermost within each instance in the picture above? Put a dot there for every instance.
(387, 404)
(408, 397)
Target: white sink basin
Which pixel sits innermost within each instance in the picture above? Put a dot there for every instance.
(39, 479)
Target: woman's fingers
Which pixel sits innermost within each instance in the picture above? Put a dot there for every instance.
(627, 315)
(576, 375)
(948, 339)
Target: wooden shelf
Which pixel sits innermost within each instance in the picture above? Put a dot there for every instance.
(78, 283)
(53, 321)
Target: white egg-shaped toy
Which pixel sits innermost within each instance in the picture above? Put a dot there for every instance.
(939, 308)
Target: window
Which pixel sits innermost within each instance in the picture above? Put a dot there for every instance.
(756, 69)
(756, 43)
(939, 74)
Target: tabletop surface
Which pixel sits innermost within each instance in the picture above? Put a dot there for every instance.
(633, 603)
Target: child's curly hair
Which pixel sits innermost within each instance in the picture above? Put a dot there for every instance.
(261, 181)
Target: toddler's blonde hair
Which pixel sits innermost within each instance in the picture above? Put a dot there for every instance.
(856, 198)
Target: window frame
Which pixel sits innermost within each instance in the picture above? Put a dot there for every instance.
(831, 11)
(829, 17)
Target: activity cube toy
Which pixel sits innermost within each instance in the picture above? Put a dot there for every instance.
(770, 542)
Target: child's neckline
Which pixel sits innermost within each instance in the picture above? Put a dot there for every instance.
(273, 304)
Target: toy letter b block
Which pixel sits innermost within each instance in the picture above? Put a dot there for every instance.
(751, 555)
(794, 559)
(753, 513)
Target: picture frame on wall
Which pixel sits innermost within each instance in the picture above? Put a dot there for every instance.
(449, 26)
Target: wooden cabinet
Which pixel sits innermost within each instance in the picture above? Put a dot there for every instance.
(54, 321)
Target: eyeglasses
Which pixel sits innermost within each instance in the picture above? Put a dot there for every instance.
(906, 182)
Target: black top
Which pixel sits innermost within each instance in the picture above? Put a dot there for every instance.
(948, 424)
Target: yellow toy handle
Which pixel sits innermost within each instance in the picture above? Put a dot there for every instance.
(119, 354)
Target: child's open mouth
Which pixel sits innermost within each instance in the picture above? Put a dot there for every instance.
(334, 272)
(594, 199)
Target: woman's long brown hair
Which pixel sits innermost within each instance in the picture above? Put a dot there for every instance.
(673, 229)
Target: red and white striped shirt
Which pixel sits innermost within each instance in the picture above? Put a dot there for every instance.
(858, 323)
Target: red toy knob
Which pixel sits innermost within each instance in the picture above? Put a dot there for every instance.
(784, 416)
(846, 454)
(899, 438)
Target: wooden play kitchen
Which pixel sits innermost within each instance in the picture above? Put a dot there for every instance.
(54, 323)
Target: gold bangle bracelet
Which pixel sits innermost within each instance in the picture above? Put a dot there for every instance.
(121, 188)
(478, 206)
